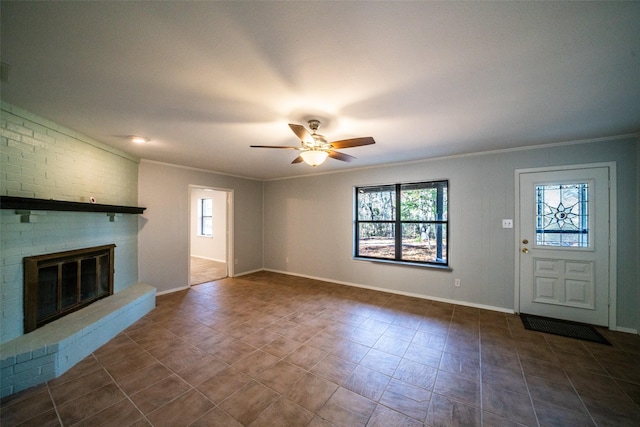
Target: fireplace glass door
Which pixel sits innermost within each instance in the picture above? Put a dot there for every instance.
(60, 283)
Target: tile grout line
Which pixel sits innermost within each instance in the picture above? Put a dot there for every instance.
(280, 395)
(191, 386)
(173, 372)
(53, 402)
(526, 384)
(573, 387)
(144, 416)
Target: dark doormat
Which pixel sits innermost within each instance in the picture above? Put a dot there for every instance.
(563, 328)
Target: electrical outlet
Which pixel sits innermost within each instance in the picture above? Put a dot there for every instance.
(456, 283)
(286, 260)
(507, 223)
(236, 261)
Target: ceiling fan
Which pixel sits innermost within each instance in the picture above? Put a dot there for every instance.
(315, 148)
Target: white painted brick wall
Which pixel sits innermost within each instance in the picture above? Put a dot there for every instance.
(41, 159)
(44, 160)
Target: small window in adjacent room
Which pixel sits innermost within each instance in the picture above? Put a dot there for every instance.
(405, 223)
(205, 218)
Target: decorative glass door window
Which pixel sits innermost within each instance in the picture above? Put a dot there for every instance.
(562, 215)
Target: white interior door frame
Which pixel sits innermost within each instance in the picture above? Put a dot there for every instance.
(229, 231)
(613, 203)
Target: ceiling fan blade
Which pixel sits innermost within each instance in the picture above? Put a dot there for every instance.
(340, 156)
(301, 133)
(298, 159)
(353, 142)
(276, 146)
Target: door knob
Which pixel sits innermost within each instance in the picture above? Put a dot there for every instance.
(525, 250)
(525, 241)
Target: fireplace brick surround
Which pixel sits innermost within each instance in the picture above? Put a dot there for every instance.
(43, 160)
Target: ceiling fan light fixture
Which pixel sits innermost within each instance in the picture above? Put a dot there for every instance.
(314, 157)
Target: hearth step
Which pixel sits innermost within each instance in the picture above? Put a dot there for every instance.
(51, 350)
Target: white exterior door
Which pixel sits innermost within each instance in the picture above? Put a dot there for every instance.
(564, 244)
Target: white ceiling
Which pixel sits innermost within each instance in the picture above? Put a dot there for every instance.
(204, 80)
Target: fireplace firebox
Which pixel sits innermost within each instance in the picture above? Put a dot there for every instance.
(60, 283)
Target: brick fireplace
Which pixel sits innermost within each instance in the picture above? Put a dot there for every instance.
(53, 174)
(84, 266)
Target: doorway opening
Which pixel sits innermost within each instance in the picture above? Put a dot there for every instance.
(210, 234)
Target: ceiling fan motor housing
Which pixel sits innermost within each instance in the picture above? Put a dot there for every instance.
(314, 125)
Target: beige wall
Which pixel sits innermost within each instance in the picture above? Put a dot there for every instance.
(309, 220)
(164, 227)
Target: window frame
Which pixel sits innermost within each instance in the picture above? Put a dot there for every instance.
(202, 216)
(442, 218)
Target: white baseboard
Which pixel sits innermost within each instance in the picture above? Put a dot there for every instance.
(626, 330)
(244, 273)
(392, 291)
(207, 258)
(182, 288)
(170, 291)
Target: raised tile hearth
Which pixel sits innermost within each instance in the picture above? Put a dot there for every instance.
(51, 350)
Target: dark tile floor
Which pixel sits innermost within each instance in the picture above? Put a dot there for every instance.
(275, 350)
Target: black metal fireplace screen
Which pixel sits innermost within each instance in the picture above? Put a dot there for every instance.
(60, 283)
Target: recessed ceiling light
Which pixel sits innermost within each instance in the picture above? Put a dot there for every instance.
(138, 139)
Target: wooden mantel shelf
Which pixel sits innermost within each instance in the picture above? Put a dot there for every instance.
(31, 204)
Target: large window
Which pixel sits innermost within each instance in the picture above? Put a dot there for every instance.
(403, 223)
(205, 217)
